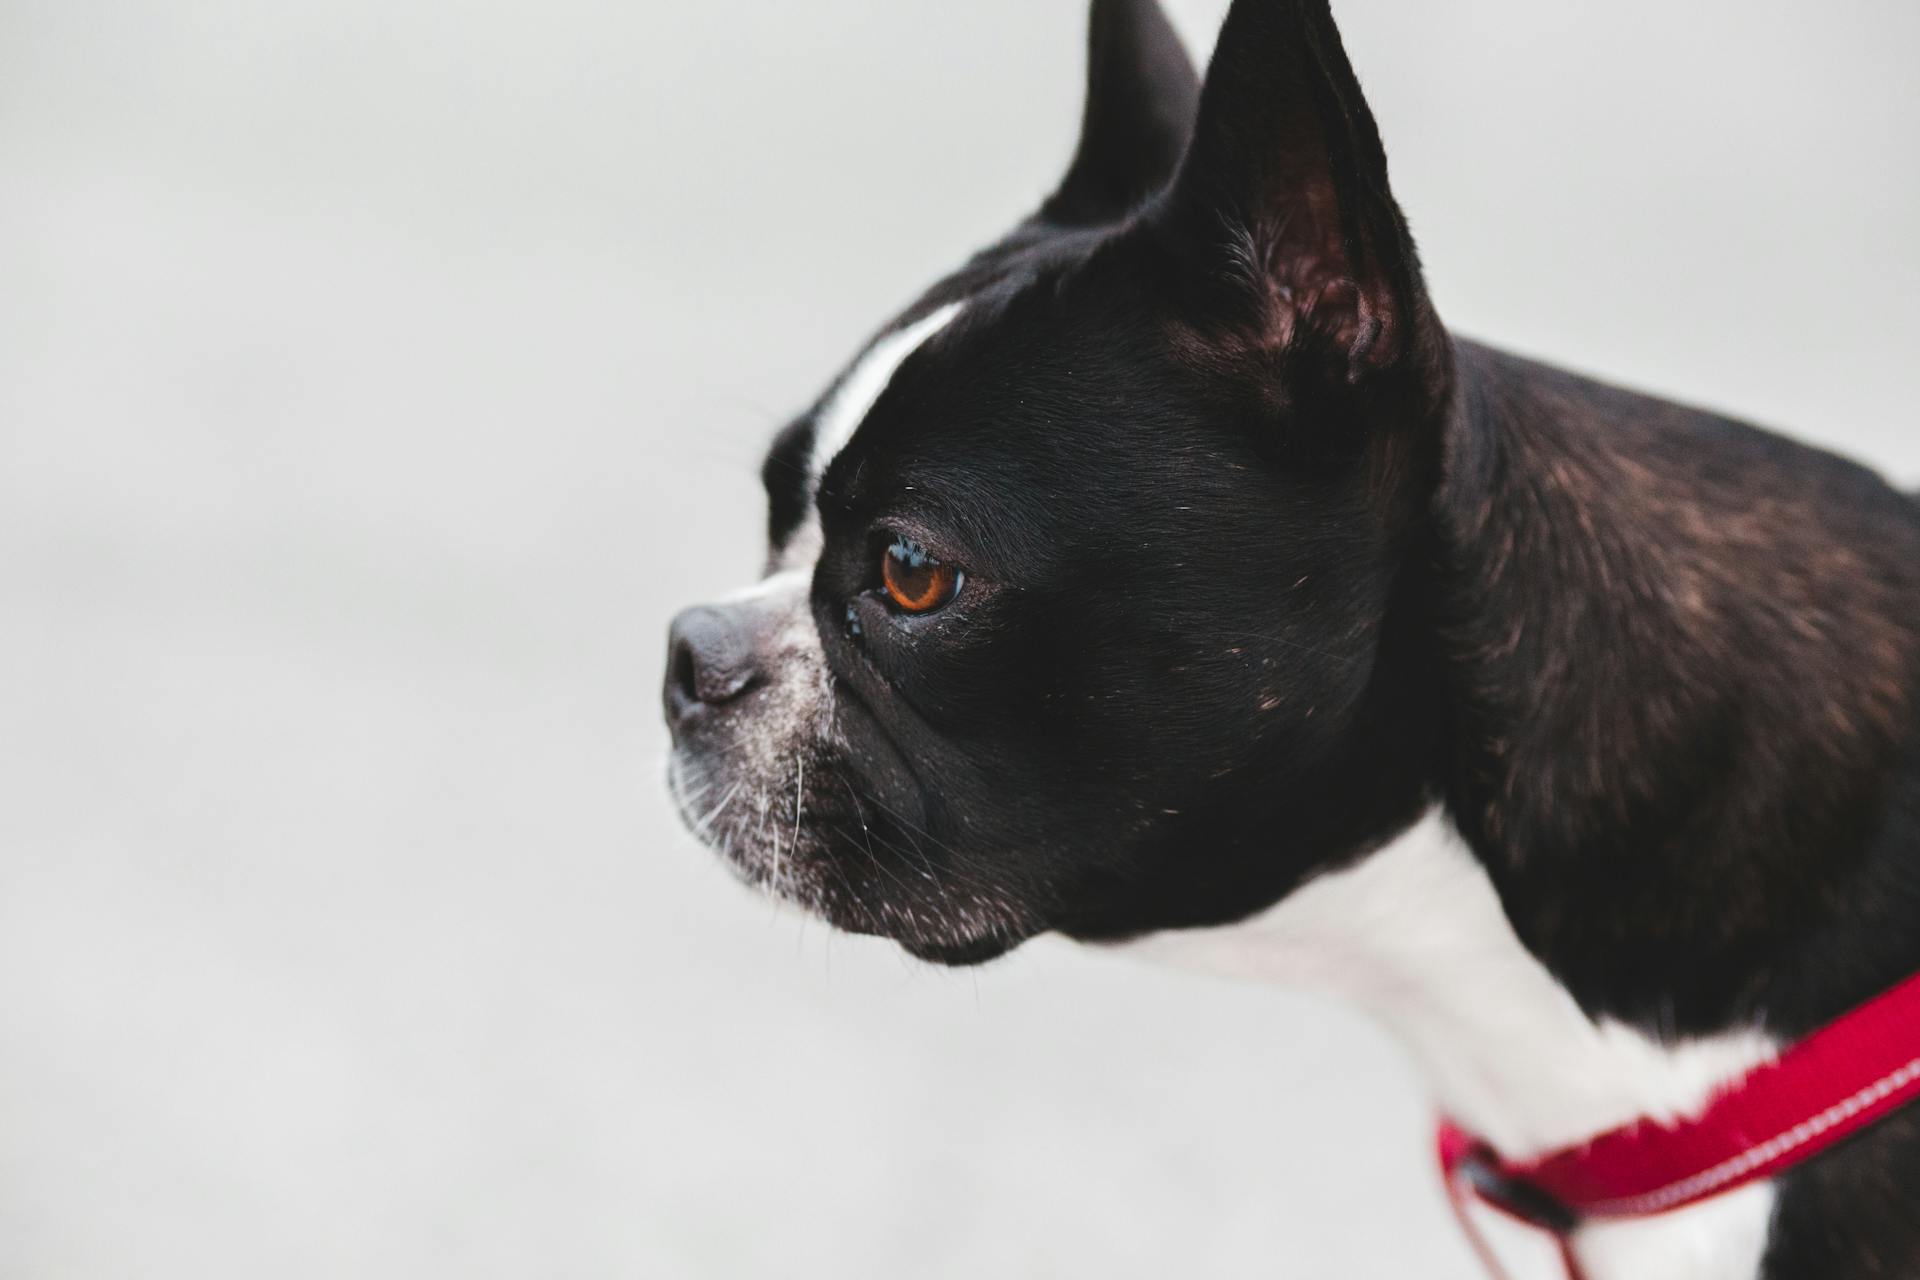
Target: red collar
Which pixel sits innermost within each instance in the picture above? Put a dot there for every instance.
(1852, 1072)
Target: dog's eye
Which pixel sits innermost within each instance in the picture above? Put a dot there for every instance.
(914, 580)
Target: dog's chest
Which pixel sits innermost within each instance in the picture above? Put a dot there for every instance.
(1416, 935)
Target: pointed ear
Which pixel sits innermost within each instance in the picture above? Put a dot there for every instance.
(1141, 97)
(1282, 215)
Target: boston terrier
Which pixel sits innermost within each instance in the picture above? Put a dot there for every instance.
(1168, 575)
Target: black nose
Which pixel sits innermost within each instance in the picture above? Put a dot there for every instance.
(710, 660)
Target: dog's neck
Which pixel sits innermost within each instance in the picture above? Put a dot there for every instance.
(1680, 668)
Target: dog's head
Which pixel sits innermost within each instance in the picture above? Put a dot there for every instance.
(1085, 582)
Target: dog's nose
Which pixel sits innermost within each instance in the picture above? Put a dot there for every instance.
(710, 660)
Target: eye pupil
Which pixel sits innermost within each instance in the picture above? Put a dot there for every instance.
(915, 581)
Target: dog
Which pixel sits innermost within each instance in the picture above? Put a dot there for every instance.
(1168, 576)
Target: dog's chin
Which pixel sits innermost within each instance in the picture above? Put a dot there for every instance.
(959, 955)
(921, 933)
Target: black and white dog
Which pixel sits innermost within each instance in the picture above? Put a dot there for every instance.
(1168, 574)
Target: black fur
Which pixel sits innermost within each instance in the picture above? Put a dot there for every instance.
(1261, 562)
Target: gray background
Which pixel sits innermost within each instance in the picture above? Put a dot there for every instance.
(375, 380)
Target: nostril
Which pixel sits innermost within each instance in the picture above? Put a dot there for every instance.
(685, 672)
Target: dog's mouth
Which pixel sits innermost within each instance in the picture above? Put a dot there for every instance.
(811, 838)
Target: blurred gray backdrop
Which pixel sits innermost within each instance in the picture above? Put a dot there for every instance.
(377, 378)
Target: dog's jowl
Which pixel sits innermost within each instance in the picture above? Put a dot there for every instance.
(1169, 575)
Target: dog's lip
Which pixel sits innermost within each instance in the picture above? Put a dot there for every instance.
(849, 696)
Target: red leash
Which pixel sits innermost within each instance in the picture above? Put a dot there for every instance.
(1852, 1072)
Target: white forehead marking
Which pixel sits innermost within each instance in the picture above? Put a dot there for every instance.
(853, 399)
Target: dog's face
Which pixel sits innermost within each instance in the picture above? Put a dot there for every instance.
(1084, 580)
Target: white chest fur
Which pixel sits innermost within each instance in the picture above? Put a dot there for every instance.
(1416, 935)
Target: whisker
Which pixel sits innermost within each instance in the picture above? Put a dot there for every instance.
(704, 825)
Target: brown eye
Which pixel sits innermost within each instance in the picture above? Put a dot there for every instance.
(915, 581)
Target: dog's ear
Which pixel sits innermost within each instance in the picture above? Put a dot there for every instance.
(1141, 97)
(1286, 232)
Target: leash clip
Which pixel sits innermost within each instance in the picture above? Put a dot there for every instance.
(1489, 1182)
(1471, 1165)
